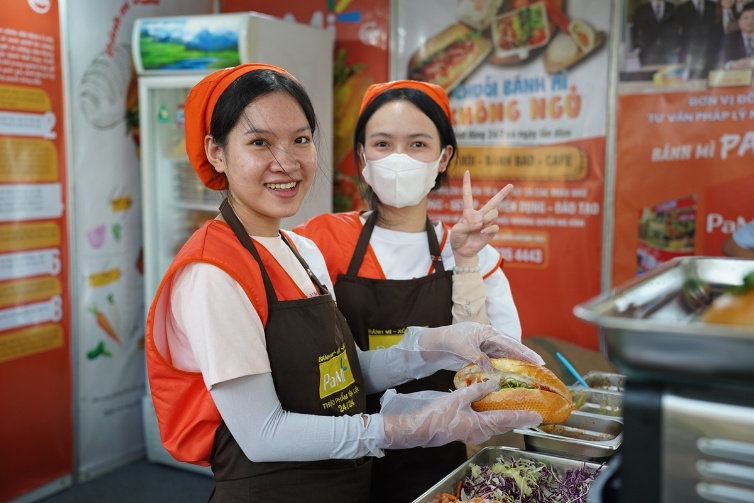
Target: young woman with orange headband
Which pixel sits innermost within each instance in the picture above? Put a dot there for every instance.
(252, 368)
(393, 268)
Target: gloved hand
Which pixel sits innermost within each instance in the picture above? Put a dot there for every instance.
(424, 351)
(432, 418)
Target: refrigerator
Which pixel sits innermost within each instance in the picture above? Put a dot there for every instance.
(171, 54)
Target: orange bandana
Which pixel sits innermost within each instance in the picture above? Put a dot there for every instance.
(200, 104)
(434, 91)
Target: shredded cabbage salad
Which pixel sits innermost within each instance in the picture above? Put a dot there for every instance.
(523, 481)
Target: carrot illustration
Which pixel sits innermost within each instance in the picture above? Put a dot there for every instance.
(104, 323)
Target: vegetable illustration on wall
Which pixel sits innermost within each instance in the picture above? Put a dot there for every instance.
(103, 322)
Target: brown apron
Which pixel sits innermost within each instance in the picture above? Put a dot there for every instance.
(315, 368)
(378, 312)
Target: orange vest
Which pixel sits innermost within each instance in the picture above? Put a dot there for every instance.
(336, 235)
(186, 414)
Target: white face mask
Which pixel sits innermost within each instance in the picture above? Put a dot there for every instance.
(400, 180)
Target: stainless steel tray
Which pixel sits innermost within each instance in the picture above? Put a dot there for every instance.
(649, 331)
(605, 381)
(584, 436)
(597, 401)
(488, 456)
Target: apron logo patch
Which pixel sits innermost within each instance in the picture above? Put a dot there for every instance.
(380, 338)
(334, 372)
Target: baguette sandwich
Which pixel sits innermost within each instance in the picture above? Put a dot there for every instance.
(449, 57)
(523, 386)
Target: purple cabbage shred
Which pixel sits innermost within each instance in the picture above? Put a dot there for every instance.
(527, 481)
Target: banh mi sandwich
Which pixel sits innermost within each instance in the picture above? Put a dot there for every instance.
(584, 33)
(449, 57)
(523, 386)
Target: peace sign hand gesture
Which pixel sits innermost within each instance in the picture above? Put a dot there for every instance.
(476, 228)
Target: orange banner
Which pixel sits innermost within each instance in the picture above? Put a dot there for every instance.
(684, 172)
(550, 226)
(36, 428)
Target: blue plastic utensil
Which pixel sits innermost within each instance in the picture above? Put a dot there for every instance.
(570, 368)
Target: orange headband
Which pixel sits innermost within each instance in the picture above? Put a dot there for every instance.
(434, 91)
(200, 104)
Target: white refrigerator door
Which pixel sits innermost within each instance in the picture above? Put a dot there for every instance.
(174, 200)
(174, 203)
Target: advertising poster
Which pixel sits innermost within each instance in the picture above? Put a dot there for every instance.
(685, 134)
(361, 29)
(107, 227)
(528, 91)
(36, 431)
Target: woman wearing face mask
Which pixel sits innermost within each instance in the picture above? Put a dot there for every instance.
(392, 267)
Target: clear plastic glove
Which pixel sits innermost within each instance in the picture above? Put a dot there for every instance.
(433, 418)
(427, 350)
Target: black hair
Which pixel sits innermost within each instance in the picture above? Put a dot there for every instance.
(248, 88)
(423, 102)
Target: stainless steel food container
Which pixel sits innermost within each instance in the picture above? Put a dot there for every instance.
(488, 456)
(597, 401)
(583, 436)
(605, 381)
(650, 332)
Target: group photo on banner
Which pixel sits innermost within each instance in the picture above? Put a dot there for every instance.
(685, 143)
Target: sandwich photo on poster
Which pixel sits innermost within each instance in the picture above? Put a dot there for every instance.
(666, 231)
(503, 33)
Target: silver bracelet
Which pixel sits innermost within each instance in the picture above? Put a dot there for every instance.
(462, 270)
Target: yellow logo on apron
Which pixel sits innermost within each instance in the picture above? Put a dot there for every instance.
(380, 338)
(334, 372)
